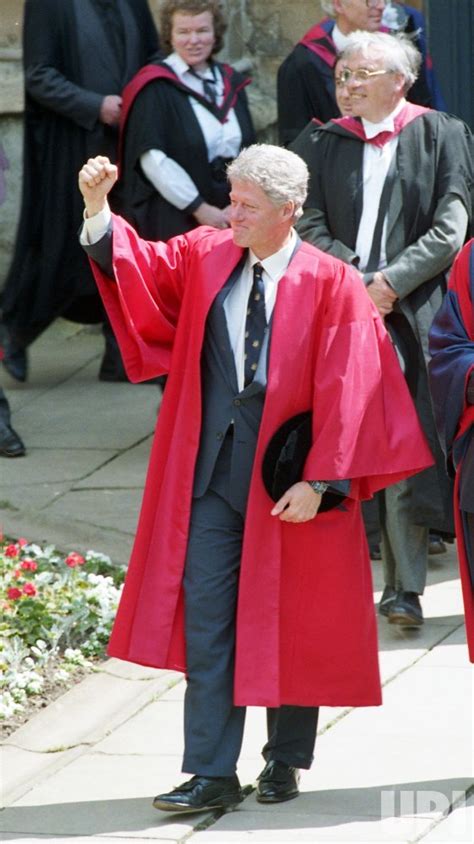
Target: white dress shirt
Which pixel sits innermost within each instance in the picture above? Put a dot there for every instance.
(235, 304)
(376, 163)
(222, 139)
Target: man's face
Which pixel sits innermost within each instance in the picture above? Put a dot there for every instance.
(357, 14)
(378, 95)
(255, 221)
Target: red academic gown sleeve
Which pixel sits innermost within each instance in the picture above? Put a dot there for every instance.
(144, 302)
(365, 426)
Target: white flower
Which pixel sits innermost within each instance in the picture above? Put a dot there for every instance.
(8, 706)
(97, 557)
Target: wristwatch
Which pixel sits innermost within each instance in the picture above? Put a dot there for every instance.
(319, 487)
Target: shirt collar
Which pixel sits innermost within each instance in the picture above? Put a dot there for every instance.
(340, 40)
(385, 125)
(181, 68)
(275, 265)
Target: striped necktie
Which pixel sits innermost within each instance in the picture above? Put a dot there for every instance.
(255, 324)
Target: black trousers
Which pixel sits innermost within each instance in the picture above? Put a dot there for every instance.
(213, 726)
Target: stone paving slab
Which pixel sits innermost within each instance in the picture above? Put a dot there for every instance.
(96, 414)
(456, 827)
(79, 839)
(87, 712)
(116, 509)
(272, 825)
(451, 652)
(56, 356)
(47, 465)
(98, 794)
(16, 500)
(21, 769)
(126, 470)
(68, 534)
(136, 736)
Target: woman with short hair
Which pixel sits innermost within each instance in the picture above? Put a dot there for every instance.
(184, 119)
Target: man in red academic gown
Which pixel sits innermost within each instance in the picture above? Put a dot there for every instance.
(260, 603)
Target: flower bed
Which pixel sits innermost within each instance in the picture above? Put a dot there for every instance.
(57, 612)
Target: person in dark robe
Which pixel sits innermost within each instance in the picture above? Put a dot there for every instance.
(11, 444)
(390, 195)
(78, 55)
(305, 84)
(452, 387)
(260, 601)
(184, 119)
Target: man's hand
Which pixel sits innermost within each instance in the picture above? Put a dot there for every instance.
(383, 296)
(209, 215)
(96, 180)
(300, 503)
(110, 110)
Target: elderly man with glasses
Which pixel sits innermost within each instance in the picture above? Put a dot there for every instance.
(306, 77)
(390, 194)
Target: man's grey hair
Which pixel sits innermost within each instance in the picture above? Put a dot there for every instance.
(398, 52)
(282, 175)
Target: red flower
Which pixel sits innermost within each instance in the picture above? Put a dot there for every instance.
(13, 594)
(74, 559)
(29, 589)
(30, 565)
(22, 542)
(12, 551)
(16, 573)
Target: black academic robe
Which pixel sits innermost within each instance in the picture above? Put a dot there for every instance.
(433, 160)
(70, 64)
(160, 116)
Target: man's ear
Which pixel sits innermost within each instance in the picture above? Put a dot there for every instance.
(400, 83)
(288, 210)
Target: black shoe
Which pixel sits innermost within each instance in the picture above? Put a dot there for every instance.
(15, 362)
(200, 794)
(111, 367)
(436, 545)
(406, 610)
(277, 782)
(10, 443)
(375, 551)
(388, 596)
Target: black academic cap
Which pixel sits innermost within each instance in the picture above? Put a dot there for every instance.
(285, 457)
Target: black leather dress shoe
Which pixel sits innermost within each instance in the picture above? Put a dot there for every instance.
(406, 610)
(200, 794)
(388, 596)
(277, 782)
(15, 361)
(10, 443)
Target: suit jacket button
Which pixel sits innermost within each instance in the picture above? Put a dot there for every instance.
(220, 435)
(237, 402)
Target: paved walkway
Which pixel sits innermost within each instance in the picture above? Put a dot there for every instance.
(87, 767)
